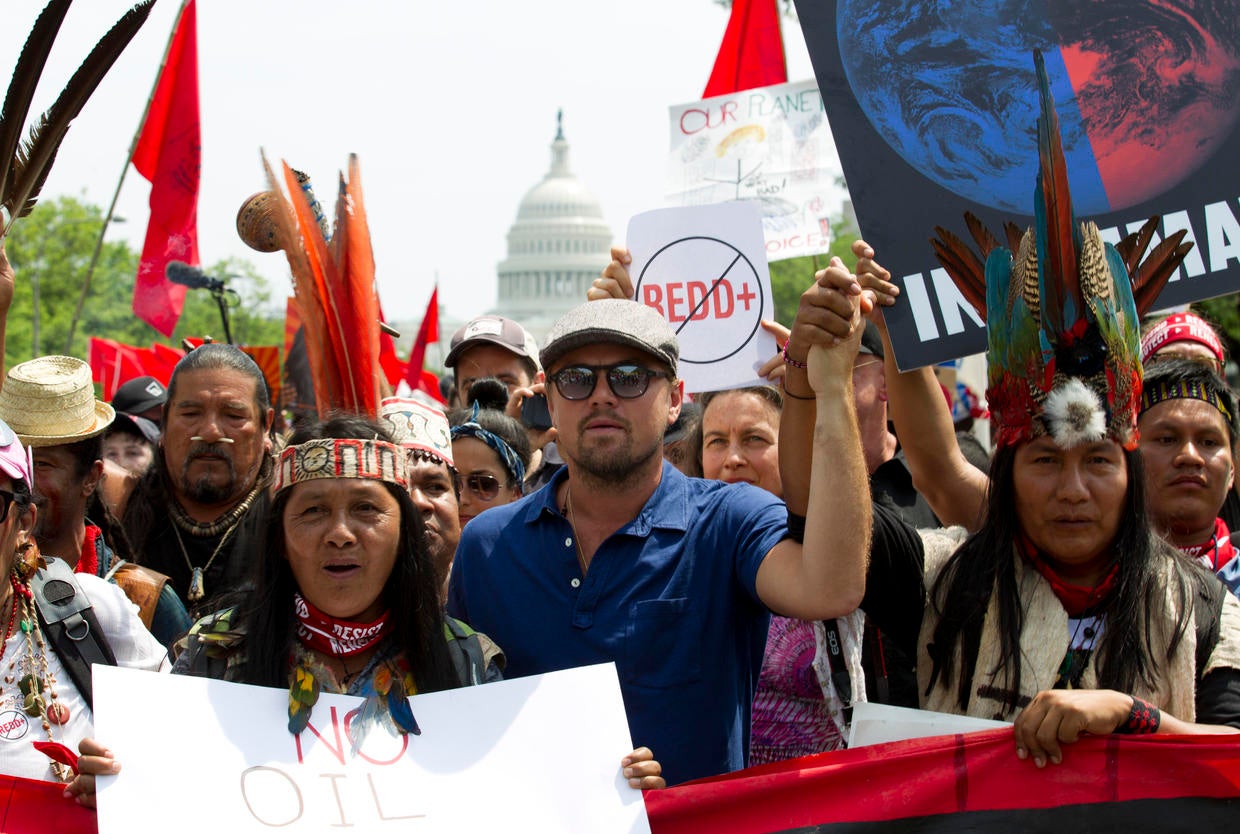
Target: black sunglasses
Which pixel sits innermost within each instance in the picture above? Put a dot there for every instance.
(627, 381)
(485, 487)
(6, 498)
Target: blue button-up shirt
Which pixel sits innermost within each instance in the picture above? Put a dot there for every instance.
(671, 598)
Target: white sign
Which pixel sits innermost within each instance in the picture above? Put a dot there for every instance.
(770, 146)
(881, 723)
(704, 269)
(534, 754)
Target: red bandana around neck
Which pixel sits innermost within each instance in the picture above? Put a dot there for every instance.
(1075, 599)
(88, 561)
(336, 638)
(1216, 552)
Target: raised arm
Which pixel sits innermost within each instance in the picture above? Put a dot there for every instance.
(954, 488)
(824, 577)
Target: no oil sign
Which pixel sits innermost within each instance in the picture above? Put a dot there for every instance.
(704, 269)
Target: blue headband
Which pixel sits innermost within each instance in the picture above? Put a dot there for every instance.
(506, 454)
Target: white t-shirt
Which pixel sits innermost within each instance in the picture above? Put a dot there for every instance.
(134, 648)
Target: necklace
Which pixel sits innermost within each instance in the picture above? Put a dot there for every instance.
(197, 588)
(568, 510)
(38, 685)
(227, 521)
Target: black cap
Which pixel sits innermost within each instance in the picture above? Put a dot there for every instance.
(140, 394)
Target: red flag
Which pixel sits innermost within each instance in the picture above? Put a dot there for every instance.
(28, 806)
(427, 333)
(752, 52)
(169, 154)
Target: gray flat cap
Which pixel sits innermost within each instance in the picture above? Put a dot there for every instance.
(612, 321)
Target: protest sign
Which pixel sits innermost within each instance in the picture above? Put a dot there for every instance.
(973, 782)
(539, 753)
(934, 115)
(770, 146)
(703, 268)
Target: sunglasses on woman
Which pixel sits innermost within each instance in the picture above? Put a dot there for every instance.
(626, 380)
(484, 487)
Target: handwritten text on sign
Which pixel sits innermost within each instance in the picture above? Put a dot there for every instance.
(703, 268)
(543, 752)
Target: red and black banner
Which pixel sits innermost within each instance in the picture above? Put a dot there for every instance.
(971, 782)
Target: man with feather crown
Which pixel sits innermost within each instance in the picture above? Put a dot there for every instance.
(1064, 611)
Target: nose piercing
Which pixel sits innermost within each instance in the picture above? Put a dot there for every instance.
(199, 439)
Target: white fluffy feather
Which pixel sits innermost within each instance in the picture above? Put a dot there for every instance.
(1074, 414)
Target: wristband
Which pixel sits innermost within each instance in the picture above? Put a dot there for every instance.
(1142, 719)
(796, 527)
(788, 360)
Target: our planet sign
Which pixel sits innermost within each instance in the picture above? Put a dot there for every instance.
(933, 107)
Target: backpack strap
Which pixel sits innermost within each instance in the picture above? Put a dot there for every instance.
(70, 625)
(1207, 612)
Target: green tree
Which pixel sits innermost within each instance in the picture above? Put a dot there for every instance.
(50, 251)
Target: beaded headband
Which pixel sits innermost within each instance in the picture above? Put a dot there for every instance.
(1160, 392)
(375, 460)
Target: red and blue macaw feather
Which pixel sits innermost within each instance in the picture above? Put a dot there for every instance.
(1058, 235)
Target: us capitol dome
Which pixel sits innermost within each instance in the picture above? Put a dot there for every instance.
(558, 245)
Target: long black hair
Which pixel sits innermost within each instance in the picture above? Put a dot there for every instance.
(411, 592)
(984, 565)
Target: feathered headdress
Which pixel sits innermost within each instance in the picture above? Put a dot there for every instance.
(24, 165)
(1063, 314)
(334, 287)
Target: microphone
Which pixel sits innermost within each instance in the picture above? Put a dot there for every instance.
(179, 272)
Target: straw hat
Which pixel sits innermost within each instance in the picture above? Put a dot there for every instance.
(50, 401)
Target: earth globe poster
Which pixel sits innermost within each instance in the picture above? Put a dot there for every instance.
(934, 106)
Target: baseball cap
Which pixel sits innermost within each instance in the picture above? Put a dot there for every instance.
(135, 425)
(140, 394)
(612, 321)
(495, 330)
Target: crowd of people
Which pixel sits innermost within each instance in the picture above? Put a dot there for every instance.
(754, 561)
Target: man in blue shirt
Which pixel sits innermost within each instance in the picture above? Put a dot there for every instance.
(622, 558)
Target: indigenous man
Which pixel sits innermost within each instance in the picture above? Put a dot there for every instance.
(622, 558)
(192, 516)
(1188, 433)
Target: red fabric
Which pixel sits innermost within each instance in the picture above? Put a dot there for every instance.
(88, 559)
(427, 333)
(946, 775)
(169, 155)
(393, 368)
(1075, 599)
(28, 806)
(113, 364)
(334, 637)
(1215, 553)
(752, 52)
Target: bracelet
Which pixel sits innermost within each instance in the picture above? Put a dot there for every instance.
(796, 527)
(1142, 719)
(791, 395)
(788, 360)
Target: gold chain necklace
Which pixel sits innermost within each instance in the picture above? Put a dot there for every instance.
(568, 509)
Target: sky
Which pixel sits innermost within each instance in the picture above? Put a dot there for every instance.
(451, 108)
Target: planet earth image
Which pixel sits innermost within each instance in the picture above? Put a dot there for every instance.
(1146, 92)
